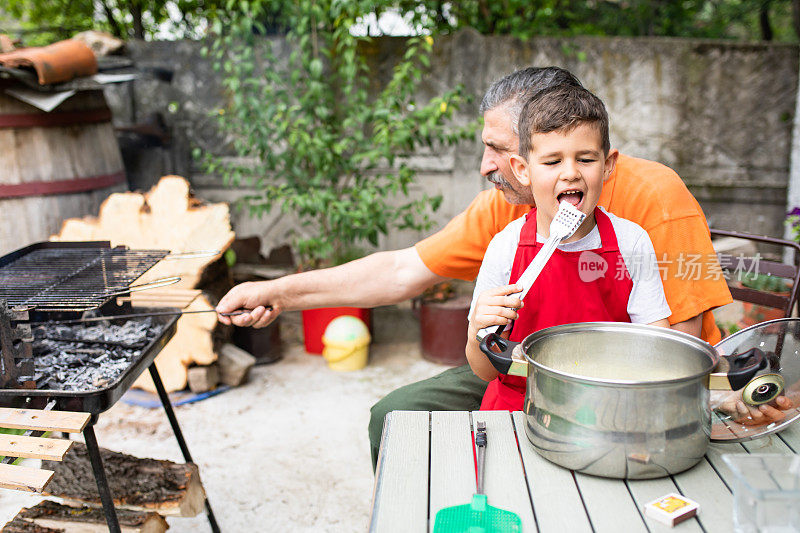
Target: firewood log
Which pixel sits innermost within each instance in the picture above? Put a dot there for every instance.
(192, 343)
(138, 484)
(68, 519)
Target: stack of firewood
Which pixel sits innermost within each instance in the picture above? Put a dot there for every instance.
(144, 490)
(169, 217)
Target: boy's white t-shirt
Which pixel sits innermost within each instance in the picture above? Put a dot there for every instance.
(646, 303)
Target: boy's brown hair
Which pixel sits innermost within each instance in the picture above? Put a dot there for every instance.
(561, 108)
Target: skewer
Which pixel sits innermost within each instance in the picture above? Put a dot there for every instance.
(136, 315)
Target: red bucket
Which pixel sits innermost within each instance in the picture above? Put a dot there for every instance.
(316, 320)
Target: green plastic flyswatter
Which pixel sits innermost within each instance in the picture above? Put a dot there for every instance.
(477, 516)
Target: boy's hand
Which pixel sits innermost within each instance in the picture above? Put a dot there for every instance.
(495, 307)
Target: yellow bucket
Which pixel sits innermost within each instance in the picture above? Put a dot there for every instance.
(346, 342)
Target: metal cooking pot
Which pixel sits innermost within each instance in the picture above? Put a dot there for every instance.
(629, 400)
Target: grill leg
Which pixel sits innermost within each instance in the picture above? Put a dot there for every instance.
(162, 394)
(100, 478)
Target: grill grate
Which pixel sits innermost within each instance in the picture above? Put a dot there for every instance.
(62, 278)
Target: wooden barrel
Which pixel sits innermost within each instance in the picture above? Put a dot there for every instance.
(54, 165)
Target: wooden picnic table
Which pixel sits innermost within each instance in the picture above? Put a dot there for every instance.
(426, 463)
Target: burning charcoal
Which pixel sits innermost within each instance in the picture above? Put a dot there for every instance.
(80, 366)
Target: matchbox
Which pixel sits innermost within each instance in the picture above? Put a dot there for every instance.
(671, 509)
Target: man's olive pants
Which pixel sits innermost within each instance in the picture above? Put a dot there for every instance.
(455, 389)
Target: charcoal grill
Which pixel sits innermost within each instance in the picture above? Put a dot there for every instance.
(71, 276)
(54, 280)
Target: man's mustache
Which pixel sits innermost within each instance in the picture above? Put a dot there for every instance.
(497, 178)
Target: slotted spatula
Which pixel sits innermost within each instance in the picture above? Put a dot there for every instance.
(477, 516)
(566, 222)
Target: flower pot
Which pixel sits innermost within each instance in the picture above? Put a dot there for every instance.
(316, 320)
(443, 330)
(755, 314)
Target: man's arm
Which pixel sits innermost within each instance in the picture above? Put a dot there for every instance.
(381, 278)
(693, 326)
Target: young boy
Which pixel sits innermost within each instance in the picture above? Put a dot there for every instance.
(564, 154)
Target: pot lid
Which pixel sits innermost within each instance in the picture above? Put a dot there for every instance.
(731, 418)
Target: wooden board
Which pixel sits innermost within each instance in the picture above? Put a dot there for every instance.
(33, 447)
(647, 490)
(791, 436)
(400, 499)
(38, 420)
(452, 468)
(702, 484)
(24, 478)
(556, 502)
(505, 488)
(609, 504)
(164, 297)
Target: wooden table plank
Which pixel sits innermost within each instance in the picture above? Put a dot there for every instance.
(714, 456)
(452, 468)
(791, 436)
(557, 502)
(703, 485)
(400, 498)
(647, 490)
(24, 478)
(768, 444)
(38, 420)
(505, 479)
(609, 504)
(34, 447)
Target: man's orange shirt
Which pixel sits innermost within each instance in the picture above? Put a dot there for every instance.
(646, 192)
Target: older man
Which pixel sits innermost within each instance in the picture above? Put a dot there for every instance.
(645, 192)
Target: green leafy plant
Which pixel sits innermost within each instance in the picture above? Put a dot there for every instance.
(763, 282)
(319, 135)
(524, 19)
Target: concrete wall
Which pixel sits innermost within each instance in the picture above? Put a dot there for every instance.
(719, 113)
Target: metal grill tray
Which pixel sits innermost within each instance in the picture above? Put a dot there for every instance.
(71, 276)
(95, 401)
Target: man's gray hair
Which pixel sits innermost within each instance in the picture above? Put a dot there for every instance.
(511, 90)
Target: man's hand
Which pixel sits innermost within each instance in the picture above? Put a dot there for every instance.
(251, 297)
(731, 403)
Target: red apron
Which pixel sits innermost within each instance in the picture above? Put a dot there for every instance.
(562, 294)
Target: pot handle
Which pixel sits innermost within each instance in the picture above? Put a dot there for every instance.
(741, 369)
(504, 360)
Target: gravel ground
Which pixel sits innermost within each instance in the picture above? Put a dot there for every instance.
(287, 451)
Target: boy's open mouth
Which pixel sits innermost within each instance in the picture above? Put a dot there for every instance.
(573, 197)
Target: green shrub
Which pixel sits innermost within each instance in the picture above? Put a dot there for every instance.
(316, 136)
